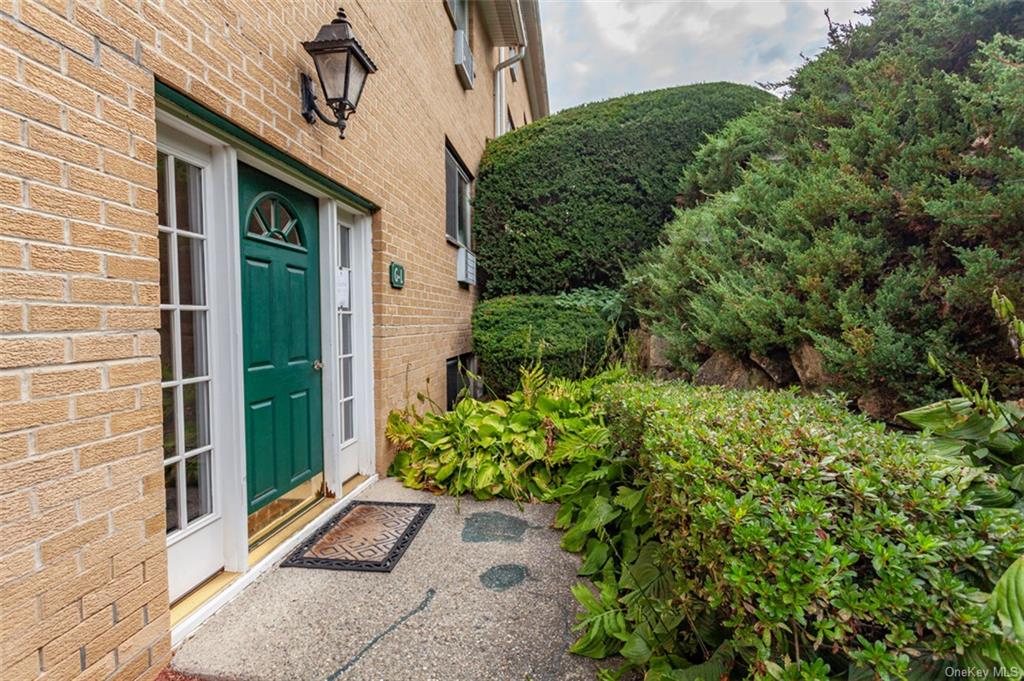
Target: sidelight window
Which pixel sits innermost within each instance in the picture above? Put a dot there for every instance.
(345, 320)
(184, 344)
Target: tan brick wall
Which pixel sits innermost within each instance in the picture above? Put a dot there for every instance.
(83, 589)
(516, 97)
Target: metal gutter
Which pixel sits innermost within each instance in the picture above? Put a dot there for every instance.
(499, 81)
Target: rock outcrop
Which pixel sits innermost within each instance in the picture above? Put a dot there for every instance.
(727, 370)
(809, 365)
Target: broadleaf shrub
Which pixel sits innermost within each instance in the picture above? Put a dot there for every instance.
(568, 339)
(730, 534)
(808, 532)
(518, 448)
(870, 213)
(568, 201)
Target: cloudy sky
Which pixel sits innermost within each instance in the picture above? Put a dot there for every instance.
(597, 49)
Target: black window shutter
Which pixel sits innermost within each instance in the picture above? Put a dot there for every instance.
(451, 196)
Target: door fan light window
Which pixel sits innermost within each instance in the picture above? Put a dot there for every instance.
(272, 218)
(184, 344)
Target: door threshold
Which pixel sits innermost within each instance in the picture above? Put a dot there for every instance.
(190, 602)
(281, 524)
(296, 520)
(282, 533)
(352, 483)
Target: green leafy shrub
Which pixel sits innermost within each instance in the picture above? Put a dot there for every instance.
(567, 201)
(518, 448)
(791, 537)
(567, 339)
(870, 213)
(740, 534)
(609, 303)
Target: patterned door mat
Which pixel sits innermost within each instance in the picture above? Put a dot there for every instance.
(370, 536)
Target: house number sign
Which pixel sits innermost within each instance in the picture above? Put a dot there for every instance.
(397, 274)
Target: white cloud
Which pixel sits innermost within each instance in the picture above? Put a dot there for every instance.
(604, 48)
(623, 25)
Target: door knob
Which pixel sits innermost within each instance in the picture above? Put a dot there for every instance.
(318, 365)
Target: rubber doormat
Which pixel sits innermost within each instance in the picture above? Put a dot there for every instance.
(368, 536)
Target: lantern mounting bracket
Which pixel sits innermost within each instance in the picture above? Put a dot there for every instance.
(311, 112)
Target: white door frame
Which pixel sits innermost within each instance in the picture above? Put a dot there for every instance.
(226, 343)
(333, 216)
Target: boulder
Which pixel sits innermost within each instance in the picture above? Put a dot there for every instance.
(778, 365)
(652, 354)
(809, 365)
(657, 355)
(641, 340)
(725, 369)
(878, 404)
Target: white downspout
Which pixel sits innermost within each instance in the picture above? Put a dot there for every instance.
(499, 78)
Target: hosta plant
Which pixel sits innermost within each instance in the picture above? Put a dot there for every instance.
(519, 448)
(1002, 653)
(977, 430)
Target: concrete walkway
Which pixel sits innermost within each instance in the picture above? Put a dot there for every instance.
(482, 593)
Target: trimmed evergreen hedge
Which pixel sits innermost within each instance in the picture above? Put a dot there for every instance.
(513, 331)
(567, 201)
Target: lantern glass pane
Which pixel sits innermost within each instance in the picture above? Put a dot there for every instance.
(357, 78)
(330, 66)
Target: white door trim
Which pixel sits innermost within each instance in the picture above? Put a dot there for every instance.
(333, 476)
(362, 242)
(228, 258)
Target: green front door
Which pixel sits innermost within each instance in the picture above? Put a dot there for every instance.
(280, 335)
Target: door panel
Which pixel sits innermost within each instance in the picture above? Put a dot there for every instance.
(194, 527)
(281, 335)
(302, 462)
(351, 326)
(259, 421)
(258, 333)
(297, 288)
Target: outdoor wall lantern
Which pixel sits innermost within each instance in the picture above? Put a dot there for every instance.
(342, 65)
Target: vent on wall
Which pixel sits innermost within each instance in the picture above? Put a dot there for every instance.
(463, 59)
(465, 267)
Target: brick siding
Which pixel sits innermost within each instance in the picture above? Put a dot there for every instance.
(83, 574)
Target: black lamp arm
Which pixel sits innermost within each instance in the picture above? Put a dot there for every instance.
(311, 112)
